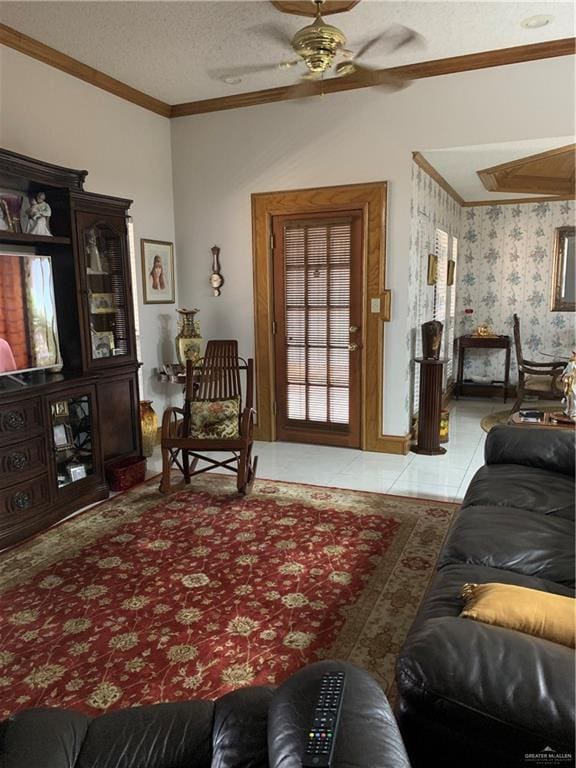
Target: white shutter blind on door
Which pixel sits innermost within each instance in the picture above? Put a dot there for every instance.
(317, 278)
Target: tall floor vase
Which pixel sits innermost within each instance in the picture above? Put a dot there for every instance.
(149, 426)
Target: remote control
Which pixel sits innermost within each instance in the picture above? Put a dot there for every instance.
(322, 732)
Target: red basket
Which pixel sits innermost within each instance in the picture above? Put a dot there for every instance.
(125, 473)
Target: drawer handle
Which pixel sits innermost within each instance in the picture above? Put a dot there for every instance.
(13, 421)
(22, 500)
(17, 461)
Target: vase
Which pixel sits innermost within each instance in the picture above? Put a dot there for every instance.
(188, 340)
(149, 426)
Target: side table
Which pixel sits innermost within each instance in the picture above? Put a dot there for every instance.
(481, 342)
(429, 407)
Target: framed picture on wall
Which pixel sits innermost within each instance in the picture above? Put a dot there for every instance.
(450, 273)
(157, 272)
(432, 275)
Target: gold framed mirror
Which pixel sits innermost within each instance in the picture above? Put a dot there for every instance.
(564, 271)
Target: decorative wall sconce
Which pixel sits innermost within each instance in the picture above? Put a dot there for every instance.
(216, 279)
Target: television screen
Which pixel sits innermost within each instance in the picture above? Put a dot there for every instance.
(28, 330)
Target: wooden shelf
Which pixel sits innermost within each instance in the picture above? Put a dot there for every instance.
(23, 238)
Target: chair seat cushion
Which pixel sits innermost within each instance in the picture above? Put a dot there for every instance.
(215, 419)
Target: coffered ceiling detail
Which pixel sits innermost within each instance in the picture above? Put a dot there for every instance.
(549, 173)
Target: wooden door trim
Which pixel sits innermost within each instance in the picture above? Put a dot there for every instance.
(371, 199)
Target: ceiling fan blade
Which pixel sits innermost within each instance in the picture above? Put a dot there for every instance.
(253, 69)
(273, 32)
(387, 81)
(398, 36)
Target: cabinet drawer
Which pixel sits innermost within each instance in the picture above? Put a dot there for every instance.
(30, 496)
(22, 460)
(20, 420)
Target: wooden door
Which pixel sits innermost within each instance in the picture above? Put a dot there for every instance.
(318, 327)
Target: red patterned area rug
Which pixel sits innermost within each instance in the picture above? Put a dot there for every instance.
(146, 598)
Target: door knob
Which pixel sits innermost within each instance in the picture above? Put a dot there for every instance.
(353, 328)
(352, 347)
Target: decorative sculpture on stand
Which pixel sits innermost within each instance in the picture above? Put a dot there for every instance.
(216, 279)
(188, 340)
(431, 339)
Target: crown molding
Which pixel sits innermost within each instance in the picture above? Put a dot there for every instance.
(428, 168)
(434, 68)
(44, 53)
(518, 201)
(381, 77)
(421, 161)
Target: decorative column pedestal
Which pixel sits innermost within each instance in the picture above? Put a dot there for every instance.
(430, 407)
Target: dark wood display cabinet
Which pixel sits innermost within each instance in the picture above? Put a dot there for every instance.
(69, 397)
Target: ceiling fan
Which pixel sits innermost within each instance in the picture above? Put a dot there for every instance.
(319, 46)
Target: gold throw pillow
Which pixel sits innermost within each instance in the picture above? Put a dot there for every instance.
(542, 614)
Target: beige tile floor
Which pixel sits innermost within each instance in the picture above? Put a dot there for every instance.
(439, 477)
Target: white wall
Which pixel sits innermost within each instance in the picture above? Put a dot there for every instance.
(49, 115)
(219, 159)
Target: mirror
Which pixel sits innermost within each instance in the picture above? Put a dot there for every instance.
(564, 275)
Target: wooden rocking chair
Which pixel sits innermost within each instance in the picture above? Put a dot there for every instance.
(541, 380)
(187, 434)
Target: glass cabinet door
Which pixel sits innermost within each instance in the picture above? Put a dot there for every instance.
(72, 439)
(107, 293)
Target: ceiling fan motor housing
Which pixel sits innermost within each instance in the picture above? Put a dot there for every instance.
(318, 44)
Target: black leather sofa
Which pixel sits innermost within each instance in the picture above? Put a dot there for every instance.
(249, 728)
(477, 695)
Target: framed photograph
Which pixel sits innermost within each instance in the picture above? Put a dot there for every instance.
(432, 275)
(101, 303)
(76, 471)
(63, 437)
(157, 272)
(451, 271)
(102, 344)
(60, 409)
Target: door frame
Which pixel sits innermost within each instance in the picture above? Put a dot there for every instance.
(371, 199)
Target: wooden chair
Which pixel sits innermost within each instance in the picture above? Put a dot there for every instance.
(538, 379)
(215, 378)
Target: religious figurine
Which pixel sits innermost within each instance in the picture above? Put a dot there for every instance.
(39, 214)
(93, 258)
(431, 339)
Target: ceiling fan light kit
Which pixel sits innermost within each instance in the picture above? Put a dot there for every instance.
(318, 44)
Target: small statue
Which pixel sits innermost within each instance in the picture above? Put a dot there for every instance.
(431, 339)
(39, 216)
(93, 258)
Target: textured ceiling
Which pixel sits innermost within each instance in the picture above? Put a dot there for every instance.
(459, 165)
(167, 49)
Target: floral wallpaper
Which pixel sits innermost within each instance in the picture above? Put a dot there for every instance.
(505, 267)
(430, 208)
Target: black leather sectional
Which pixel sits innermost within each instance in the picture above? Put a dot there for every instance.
(481, 696)
(249, 728)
